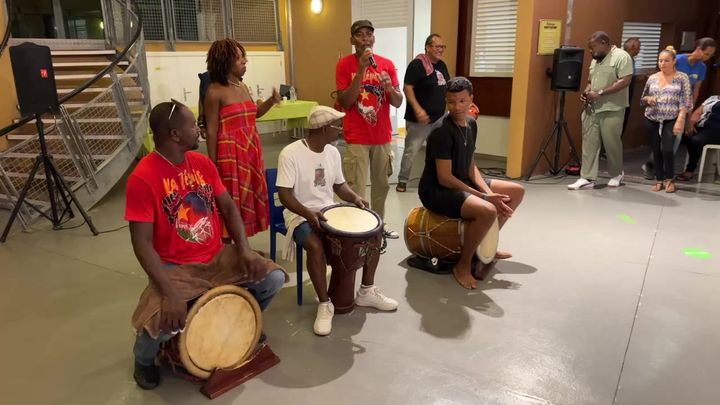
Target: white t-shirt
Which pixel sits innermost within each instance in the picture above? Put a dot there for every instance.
(311, 175)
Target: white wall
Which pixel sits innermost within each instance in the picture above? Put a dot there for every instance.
(493, 134)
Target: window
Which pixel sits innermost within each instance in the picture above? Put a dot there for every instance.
(152, 19)
(205, 20)
(493, 38)
(255, 21)
(198, 20)
(649, 34)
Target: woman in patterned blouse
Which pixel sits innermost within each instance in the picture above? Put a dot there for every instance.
(668, 98)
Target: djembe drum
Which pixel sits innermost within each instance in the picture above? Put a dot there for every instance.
(222, 330)
(352, 239)
(433, 236)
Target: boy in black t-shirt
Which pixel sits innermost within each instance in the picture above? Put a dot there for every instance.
(451, 184)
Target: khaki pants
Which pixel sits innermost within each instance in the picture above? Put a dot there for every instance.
(357, 161)
(605, 126)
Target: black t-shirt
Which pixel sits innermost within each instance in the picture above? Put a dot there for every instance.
(449, 141)
(429, 89)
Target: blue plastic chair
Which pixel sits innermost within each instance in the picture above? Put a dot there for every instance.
(277, 224)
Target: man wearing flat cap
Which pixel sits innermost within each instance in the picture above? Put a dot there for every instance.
(309, 174)
(367, 85)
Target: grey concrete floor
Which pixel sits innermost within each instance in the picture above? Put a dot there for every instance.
(599, 305)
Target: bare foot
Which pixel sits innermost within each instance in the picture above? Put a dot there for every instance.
(500, 255)
(464, 277)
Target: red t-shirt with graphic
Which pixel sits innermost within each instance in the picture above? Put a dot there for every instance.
(367, 122)
(180, 203)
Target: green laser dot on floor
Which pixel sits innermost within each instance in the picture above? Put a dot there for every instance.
(699, 253)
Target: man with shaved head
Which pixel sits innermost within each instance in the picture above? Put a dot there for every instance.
(173, 198)
(605, 99)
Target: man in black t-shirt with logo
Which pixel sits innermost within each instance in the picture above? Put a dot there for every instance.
(425, 83)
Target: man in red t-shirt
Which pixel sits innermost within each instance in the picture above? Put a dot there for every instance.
(367, 85)
(172, 201)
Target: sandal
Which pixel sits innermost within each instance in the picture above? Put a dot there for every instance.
(401, 187)
(658, 186)
(684, 177)
(669, 186)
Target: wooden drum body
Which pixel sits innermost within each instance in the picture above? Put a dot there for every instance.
(222, 330)
(352, 239)
(430, 235)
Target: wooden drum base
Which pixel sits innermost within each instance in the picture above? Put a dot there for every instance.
(222, 381)
(342, 290)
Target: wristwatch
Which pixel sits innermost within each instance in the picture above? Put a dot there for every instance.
(601, 92)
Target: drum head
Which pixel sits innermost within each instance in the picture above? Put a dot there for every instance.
(488, 247)
(221, 331)
(349, 220)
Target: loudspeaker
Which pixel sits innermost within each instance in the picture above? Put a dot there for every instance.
(567, 68)
(34, 78)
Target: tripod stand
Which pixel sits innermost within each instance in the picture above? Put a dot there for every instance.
(559, 129)
(56, 187)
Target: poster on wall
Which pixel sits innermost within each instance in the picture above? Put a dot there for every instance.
(549, 36)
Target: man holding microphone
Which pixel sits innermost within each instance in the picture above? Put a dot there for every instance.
(367, 85)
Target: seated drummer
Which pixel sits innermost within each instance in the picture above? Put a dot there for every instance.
(451, 184)
(172, 202)
(309, 172)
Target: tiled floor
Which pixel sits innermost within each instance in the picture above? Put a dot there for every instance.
(600, 304)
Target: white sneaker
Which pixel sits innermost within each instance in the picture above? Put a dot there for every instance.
(323, 319)
(372, 297)
(617, 180)
(581, 184)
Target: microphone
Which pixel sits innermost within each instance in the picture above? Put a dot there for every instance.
(372, 62)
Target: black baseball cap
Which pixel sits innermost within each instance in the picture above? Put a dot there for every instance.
(361, 24)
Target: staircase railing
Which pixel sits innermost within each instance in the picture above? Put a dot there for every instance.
(92, 145)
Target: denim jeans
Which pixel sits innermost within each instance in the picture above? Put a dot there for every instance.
(146, 348)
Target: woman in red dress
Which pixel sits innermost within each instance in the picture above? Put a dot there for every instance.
(232, 137)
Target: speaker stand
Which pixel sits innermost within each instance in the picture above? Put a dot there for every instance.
(557, 133)
(56, 187)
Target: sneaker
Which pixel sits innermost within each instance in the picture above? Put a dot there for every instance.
(581, 184)
(389, 234)
(372, 297)
(147, 377)
(323, 319)
(648, 170)
(617, 180)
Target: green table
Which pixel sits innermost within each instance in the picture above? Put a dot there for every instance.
(295, 112)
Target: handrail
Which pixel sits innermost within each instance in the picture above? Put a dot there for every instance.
(90, 82)
(6, 36)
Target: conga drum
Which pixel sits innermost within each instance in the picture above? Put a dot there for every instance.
(222, 329)
(433, 236)
(352, 238)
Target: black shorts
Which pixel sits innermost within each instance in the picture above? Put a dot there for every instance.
(446, 201)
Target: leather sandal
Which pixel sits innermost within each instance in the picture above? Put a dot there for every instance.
(659, 186)
(669, 186)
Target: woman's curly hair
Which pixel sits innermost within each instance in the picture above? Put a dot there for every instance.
(222, 55)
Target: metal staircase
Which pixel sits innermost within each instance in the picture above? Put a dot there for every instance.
(102, 121)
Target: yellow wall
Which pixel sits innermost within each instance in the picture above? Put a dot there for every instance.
(318, 42)
(444, 22)
(8, 103)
